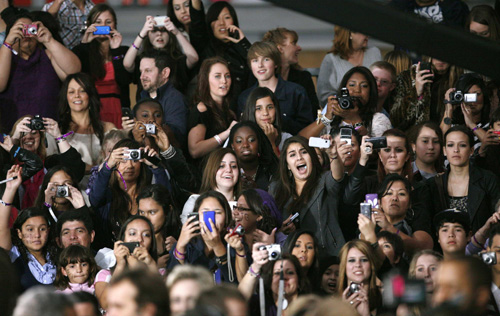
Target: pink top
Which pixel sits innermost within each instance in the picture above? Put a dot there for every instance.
(75, 287)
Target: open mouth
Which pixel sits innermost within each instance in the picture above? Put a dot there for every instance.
(222, 30)
(302, 168)
(261, 72)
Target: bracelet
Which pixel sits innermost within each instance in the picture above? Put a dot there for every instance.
(17, 151)
(253, 273)
(397, 232)
(47, 204)
(179, 253)
(169, 153)
(217, 138)
(65, 135)
(107, 166)
(139, 34)
(477, 242)
(420, 97)
(178, 259)
(477, 127)
(133, 45)
(325, 120)
(9, 46)
(60, 140)
(241, 256)
(9, 204)
(358, 126)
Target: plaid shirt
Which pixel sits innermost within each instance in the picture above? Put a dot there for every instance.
(72, 20)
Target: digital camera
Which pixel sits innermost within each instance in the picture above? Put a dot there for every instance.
(456, 97)
(30, 30)
(239, 230)
(345, 101)
(102, 30)
(490, 258)
(274, 251)
(160, 20)
(36, 123)
(150, 129)
(354, 288)
(132, 154)
(62, 191)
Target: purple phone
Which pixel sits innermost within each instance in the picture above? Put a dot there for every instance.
(206, 216)
(372, 198)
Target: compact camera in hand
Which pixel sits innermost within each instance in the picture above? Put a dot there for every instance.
(132, 154)
(239, 230)
(30, 30)
(150, 129)
(456, 97)
(36, 123)
(274, 251)
(490, 258)
(345, 100)
(62, 191)
(160, 20)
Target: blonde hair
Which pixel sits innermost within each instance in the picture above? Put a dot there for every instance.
(41, 151)
(399, 59)
(413, 264)
(265, 49)
(189, 272)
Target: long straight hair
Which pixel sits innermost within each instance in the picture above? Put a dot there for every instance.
(212, 14)
(285, 189)
(407, 168)
(208, 180)
(86, 82)
(153, 251)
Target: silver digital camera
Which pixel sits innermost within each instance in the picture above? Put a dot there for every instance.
(150, 129)
(274, 251)
(62, 191)
(132, 154)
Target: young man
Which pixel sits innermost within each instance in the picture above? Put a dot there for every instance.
(385, 74)
(75, 227)
(155, 74)
(265, 61)
(453, 232)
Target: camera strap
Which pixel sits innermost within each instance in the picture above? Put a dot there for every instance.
(262, 297)
(123, 180)
(281, 291)
(229, 265)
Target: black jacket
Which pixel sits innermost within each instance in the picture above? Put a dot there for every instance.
(484, 193)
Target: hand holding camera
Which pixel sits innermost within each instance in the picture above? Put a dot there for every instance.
(234, 239)
(139, 131)
(148, 26)
(115, 39)
(117, 155)
(190, 229)
(260, 256)
(170, 26)
(357, 297)
(161, 138)
(74, 196)
(423, 75)
(51, 127)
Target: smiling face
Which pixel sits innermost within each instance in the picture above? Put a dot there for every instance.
(425, 269)
(479, 29)
(359, 87)
(396, 201)
(330, 279)
(34, 233)
(219, 79)
(149, 113)
(219, 26)
(245, 144)
(263, 68)
(395, 155)
(242, 214)
(181, 10)
(153, 211)
(427, 146)
(75, 233)
(290, 275)
(158, 37)
(212, 204)
(298, 161)
(78, 98)
(265, 111)
(358, 269)
(30, 141)
(77, 272)
(228, 173)
(304, 250)
(290, 50)
(139, 231)
(457, 149)
(452, 238)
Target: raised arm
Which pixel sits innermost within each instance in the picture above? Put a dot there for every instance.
(6, 205)
(260, 258)
(15, 35)
(189, 51)
(129, 59)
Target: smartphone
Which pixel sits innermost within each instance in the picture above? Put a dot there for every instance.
(102, 30)
(366, 210)
(1, 137)
(319, 142)
(425, 66)
(209, 215)
(295, 219)
(127, 112)
(235, 34)
(378, 142)
(160, 20)
(131, 245)
(372, 199)
(196, 217)
(345, 135)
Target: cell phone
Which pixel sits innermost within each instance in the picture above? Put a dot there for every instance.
(127, 112)
(319, 142)
(102, 30)
(160, 20)
(366, 210)
(1, 137)
(378, 142)
(345, 135)
(470, 97)
(196, 217)
(294, 219)
(372, 199)
(131, 245)
(209, 215)
(235, 34)
(425, 66)
(353, 288)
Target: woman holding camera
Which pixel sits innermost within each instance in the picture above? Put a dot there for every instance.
(210, 219)
(474, 114)
(102, 55)
(33, 66)
(357, 282)
(114, 194)
(359, 110)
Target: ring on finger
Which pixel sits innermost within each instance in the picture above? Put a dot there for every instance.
(351, 302)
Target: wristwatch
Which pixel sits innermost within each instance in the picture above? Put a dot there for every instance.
(447, 121)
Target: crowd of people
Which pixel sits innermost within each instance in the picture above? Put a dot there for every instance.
(230, 184)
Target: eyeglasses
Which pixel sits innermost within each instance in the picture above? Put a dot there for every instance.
(241, 209)
(383, 82)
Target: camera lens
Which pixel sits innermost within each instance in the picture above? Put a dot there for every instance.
(274, 255)
(134, 155)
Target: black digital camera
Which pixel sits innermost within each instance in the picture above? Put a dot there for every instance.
(36, 123)
(345, 100)
(456, 97)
